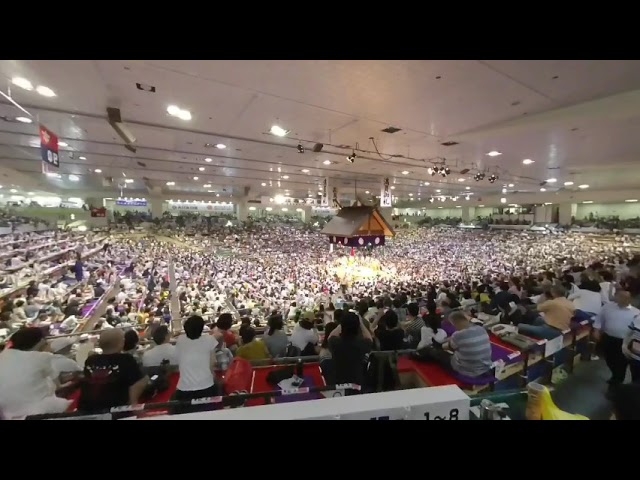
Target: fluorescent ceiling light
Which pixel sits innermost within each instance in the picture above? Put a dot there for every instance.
(268, 209)
(511, 185)
(208, 160)
(179, 112)
(82, 158)
(22, 83)
(583, 186)
(97, 170)
(467, 188)
(367, 192)
(568, 184)
(543, 189)
(552, 180)
(411, 194)
(24, 120)
(128, 180)
(63, 144)
(393, 187)
(305, 170)
(45, 91)
(503, 200)
(184, 115)
(481, 205)
(632, 200)
(206, 185)
(217, 194)
(278, 131)
(327, 162)
(494, 153)
(426, 184)
(201, 169)
(220, 146)
(263, 184)
(405, 172)
(504, 190)
(252, 208)
(170, 184)
(461, 179)
(438, 191)
(458, 206)
(74, 178)
(439, 207)
(588, 201)
(211, 191)
(196, 178)
(173, 110)
(528, 161)
(285, 177)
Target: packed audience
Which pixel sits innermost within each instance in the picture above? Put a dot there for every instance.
(267, 290)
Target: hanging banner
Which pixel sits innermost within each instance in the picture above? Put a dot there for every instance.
(385, 194)
(131, 202)
(99, 212)
(201, 207)
(49, 148)
(324, 201)
(334, 200)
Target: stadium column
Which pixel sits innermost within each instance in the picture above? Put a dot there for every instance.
(565, 213)
(242, 210)
(305, 214)
(543, 214)
(155, 205)
(468, 213)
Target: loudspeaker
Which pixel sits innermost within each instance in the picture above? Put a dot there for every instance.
(318, 147)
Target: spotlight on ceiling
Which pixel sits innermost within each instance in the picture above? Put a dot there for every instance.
(352, 158)
(492, 178)
(300, 148)
(447, 171)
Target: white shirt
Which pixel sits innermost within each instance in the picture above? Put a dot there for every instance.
(194, 360)
(26, 385)
(427, 336)
(61, 364)
(121, 297)
(587, 301)
(155, 356)
(300, 337)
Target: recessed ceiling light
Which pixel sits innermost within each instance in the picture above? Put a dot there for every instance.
(504, 190)
(211, 191)
(583, 186)
(74, 178)
(217, 194)
(24, 120)
(552, 180)
(201, 169)
(327, 162)
(22, 83)
(411, 194)
(178, 112)
(548, 203)
(467, 188)
(63, 144)
(170, 184)
(511, 185)
(568, 184)
(631, 200)
(543, 189)
(196, 178)
(461, 179)
(278, 131)
(439, 207)
(438, 191)
(393, 187)
(13, 190)
(426, 184)
(458, 206)
(82, 158)
(128, 180)
(305, 170)
(208, 160)
(503, 200)
(285, 177)
(528, 161)
(263, 184)
(45, 91)
(494, 153)
(405, 172)
(588, 201)
(97, 170)
(221, 146)
(206, 185)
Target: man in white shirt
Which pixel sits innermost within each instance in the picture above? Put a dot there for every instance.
(27, 383)
(163, 352)
(122, 296)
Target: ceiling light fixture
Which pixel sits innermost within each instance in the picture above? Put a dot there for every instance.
(128, 180)
(631, 200)
(285, 177)
(393, 187)
(201, 169)
(528, 161)
(196, 178)
(494, 153)
(263, 184)
(63, 144)
(367, 192)
(53, 175)
(405, 172)
(300, 148)
(552, 180)
(438, 191)
(568, 184)
(305, 170)
(220, 146)
(24, 120)
(467, 188)
(588, 201)
(179, 112)
(327, 162)
(82, 158)
(208, 160)
(503, 200)
(583, 186)
(206, 185)
(511, 185)
(461, 179)
(170, 184)
(278, 131)
(97, 170)
(543, 189)
(22, 83)
(74, 178)
(45, 91)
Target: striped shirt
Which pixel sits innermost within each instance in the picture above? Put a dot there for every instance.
(472, 351)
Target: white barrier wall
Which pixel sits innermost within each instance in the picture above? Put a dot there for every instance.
(433, 403)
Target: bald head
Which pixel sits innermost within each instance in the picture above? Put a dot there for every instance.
(112, 340)
(623, 298)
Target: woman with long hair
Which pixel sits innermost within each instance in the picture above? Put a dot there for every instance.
(274, 337)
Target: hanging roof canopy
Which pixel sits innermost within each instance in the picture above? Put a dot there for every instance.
(358, 221)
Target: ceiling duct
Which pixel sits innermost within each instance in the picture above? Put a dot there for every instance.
(115, 120)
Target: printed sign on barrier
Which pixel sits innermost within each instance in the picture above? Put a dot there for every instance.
(553, 346)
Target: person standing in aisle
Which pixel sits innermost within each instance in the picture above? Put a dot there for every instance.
(611, 327)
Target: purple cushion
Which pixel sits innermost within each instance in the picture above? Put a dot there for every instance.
(448, 327)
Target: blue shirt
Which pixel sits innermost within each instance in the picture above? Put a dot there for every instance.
(615, 321)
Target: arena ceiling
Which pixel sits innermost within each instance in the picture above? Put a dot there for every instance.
(577, 121)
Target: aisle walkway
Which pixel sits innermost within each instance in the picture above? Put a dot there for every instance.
(584, 391)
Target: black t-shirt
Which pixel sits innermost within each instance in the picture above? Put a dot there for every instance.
(390, 339)
(107, 381)
(349, 358)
